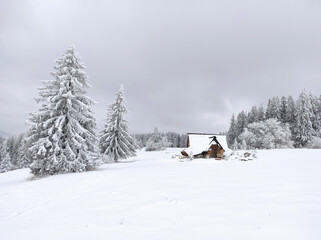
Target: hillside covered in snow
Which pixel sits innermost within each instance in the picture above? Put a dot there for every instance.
(152, 196)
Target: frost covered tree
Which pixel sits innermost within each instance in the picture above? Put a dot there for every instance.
(267, 134)
(303, 130)
(24, 157)
(253, 115)
(232, 133)
(183, 141)
(316, 115)
(273, 108)
(115, 141)
(283, 108)
(173, 139)
(5, 164)
(5, 160)
(315, 142)
(62, 132)
(11, 148)
(2, 141)
(240, 124)
(260, 114)
(319, 112)
(156, 142)
(290, 114)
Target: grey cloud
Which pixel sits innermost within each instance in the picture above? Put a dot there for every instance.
(186, 65)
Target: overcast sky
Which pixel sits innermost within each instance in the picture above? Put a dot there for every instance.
(186, 66)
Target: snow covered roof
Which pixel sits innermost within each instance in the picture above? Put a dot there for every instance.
(199, 143)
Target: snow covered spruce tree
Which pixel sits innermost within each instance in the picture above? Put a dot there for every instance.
(273, 108)
(290, 115)
(62, 131)
(5, 164)
(115, 141)
(231, 134)
(316, 114)
(303, 130)
(5, 160)
(283, 109)
(260, 114)
(24, 158)
(252, 115)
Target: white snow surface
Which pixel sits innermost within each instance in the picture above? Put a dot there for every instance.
(202, 142)
(152, 196)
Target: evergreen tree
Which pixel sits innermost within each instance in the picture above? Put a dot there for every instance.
(171, 138)
(5, 160)
(240, 124)
(283, 109)
(24, 155)
(156, 142)
(115, 141)
(253, 115)
(2, 142)
(319, 113)
(273, 108)
(5, 164)
(261, 114)
(231, 134)
(11, 148)
(303, 126)
(316, 117)
(290, 115)
(183, 141)
(62, 131)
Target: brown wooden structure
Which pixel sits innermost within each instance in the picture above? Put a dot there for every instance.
(212, 147)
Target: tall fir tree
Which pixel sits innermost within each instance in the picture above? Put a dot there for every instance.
(316, 118)
(240, 124)
(260, 114)
(273, 108)
(319, 113)
(24, 156)
(283, 108)
(183, 141)
(303, 126)
(2, 146)
(253, 115)
(115, 141)
(62, 131)
(5, 160)
(290, 114)
(5, 164)
(231, 134)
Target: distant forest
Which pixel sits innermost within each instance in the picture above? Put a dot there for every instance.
(284, 123)
(174, 140)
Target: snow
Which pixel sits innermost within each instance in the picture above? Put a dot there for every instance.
(222, 140)
(152, 196)
(202, 142)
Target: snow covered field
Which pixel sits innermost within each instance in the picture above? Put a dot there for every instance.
(152, 196)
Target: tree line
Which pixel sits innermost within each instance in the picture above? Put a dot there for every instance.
(284, 123)
(169, 139)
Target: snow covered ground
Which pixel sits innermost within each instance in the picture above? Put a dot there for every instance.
(277, 196)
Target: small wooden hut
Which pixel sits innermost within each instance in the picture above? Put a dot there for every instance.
(203, 145)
